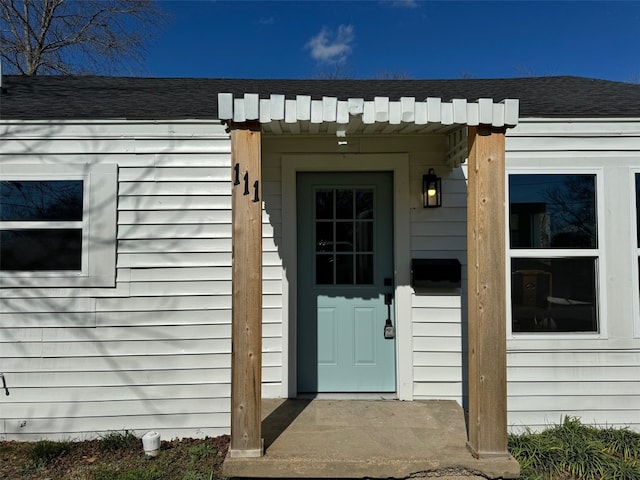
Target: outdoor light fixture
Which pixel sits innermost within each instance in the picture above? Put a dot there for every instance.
(431, 190)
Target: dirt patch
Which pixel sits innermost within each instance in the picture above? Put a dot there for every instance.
(186, 459)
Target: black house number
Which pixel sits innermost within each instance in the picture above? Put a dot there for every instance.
(236, 182)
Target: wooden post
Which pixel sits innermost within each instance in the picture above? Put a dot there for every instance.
(486, 292)
(246, 330)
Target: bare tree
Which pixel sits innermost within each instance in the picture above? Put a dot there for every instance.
(74, 36)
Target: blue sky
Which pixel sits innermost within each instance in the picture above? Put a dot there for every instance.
(411, 38)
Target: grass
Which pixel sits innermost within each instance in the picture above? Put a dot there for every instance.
(114, 455)
(118, 440)
(573, 451)
(568, 451)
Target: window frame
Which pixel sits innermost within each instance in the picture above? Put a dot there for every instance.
(635, 250)
(98, 263)
(597, 253)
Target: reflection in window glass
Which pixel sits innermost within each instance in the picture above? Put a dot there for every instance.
(324, 269)
(364, 204)
(364, 269)
(51, 200)
(364, 236)
(344, 269)
(552, 211)
(324, 236)
(344, 204)
(41, 250)
(344, 237)
(554, 294)
(324, 204)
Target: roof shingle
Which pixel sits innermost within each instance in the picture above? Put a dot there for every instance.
(90, 97)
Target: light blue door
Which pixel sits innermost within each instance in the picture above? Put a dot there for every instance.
(345, 268)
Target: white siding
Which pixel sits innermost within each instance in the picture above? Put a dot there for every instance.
(595, 377)
(154, 351)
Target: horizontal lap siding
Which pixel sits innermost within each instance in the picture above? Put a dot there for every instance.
(600, 387)
(596, 379)
(437, 314)
(155, 351)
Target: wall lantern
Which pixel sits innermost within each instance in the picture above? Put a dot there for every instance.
(431, 190)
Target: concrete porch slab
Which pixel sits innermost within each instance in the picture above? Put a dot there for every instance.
(366, 439)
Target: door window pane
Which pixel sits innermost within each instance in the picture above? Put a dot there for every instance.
(364, 204)
(554, 294)
(338, 232)
(364, 236)
(41, 250)
(552, 211)
(344, 204)
(324, 236)
(344, 269)
(344, 237)
(364, 269)
(51, 200)
(324, 204)
(324, 269)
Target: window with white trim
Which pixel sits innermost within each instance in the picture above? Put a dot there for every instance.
(57, 225)
(637, 240)
(554, 252)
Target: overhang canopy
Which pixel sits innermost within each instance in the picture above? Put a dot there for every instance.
(303, 114)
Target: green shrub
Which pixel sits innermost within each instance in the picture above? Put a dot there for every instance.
(572, 451)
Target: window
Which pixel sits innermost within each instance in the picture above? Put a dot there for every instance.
(57, 225)
(637, 242)
(553, 247)
(344, 236)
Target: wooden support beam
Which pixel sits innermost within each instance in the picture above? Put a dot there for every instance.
(487, 293)
(246, 331)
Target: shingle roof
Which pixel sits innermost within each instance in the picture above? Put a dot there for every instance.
(87, 97)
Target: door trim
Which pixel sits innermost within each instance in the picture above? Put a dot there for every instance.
(398, 163)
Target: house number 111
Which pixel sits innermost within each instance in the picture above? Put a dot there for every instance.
(236, 182)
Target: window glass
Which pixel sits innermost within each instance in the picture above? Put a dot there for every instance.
(344, 235)
(324, 269)
(49, 237)
(31, 250)
(324, 236)
(552, 211)
(324, 204)
(554, 294)
(638, 208)
(344, 204)
(364, 204)
(41, 200)
(57, 205)
(555, 291)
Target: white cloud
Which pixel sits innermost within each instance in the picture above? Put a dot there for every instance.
(267, 21)
(328, 46)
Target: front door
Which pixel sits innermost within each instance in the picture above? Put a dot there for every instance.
(345, 282)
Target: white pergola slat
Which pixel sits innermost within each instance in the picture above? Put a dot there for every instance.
(408, 110)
